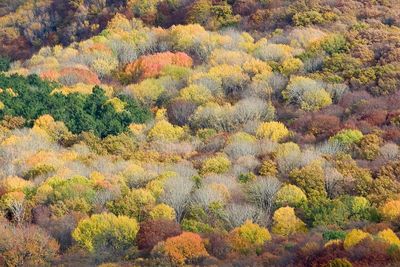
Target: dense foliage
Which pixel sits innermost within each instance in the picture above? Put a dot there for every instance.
(30, 98)
(199, 132)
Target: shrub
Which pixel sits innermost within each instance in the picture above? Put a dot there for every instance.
(268, 168)
(162, 211)
(334, 235)
(391, 170)
(314, 100)
(285, 149)
(347, 137)
(248, 238)
(274, 130)
(274, 52)
(106, 231)
(391, 210)
(354, 237)
(285, 222)
(165, 131)
(196, 93)
(195, 226)
(326, 212)
(12, 184)
(218, 164)
(339, 263)
(185, 247)
(291, 65)
(389, 236)
(154, 231)
(335, 44)
(307, 93)
(308, 18)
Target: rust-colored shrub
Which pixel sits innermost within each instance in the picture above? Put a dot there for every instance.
(74, 75)
(151, 66)
(185, 247)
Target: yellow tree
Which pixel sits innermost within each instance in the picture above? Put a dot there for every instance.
(248, 237)
(273, 130)
(285, 222)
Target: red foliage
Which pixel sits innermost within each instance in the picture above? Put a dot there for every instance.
(179, 111)
(152, 232)
(392, 134)
(245, 7)
(350, 100)
(218, 246)
(73, 75)
(319, 125)
(370, 253)
(151, 66)
(50, 75)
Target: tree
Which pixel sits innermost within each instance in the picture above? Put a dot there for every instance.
(200, 12)
(391, 170)
(237, 214)
(263, 191)
(4, 63)
(154, 231)
(307, 18)
(185, 247)
(179, 111)
(151, 66)
(177, 192)
(136, 204)
(106, 232)
(147, 91)
(92, 112)
(274, 130)
(248, 238)
(285, 222)
(290, 195)
(311, 180)
(27, 245)
(369, 146)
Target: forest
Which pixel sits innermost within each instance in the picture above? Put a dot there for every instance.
(200, 133)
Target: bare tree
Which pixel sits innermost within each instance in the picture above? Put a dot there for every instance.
(263, 191)
(177, 193)
(17, 208)
(206, 196)
(333, 182)
(236, 214)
